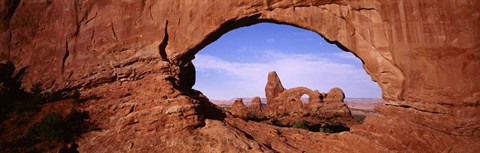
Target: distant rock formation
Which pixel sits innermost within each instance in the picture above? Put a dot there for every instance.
(256, 106)
(274, 86)
(281, 101)
(239, 109)
(335, 94)
(333, 103)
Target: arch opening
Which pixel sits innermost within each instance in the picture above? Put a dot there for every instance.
(223, 66)
(305, 98)
(383, 71)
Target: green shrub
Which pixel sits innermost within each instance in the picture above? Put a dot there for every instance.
(334, 128)
(276, 122)
(252, 116)
(301, 124)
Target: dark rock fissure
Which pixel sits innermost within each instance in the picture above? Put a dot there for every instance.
(163, 44)
(67, 53)
(12, 6)
(113, 31)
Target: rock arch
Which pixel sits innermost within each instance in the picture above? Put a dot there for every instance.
(380, 67)
(305, 98)
(298, 92)
(290, 101)
(423, 53)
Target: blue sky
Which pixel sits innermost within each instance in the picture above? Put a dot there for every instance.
(237, 64)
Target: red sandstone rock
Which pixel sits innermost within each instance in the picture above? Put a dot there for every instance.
(334, 104)
(239, 109)
(132, 53)
(289, 101)
(335, 94)
(256, 106)
(274, 87)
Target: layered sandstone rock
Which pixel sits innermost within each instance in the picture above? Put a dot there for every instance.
(137, 55)
(289, 101)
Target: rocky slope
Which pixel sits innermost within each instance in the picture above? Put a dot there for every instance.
(137, 55)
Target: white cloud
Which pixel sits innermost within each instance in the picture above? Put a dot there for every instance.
(310, 70)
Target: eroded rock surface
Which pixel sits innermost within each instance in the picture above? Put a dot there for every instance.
(289, 101)
(256, 106)
(286, 108)
(239, 109)
(334, 104)
(274, 87)
(135, 55)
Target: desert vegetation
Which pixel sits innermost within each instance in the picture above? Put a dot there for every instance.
(331, 124)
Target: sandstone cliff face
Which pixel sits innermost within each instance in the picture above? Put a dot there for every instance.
(137, 55)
